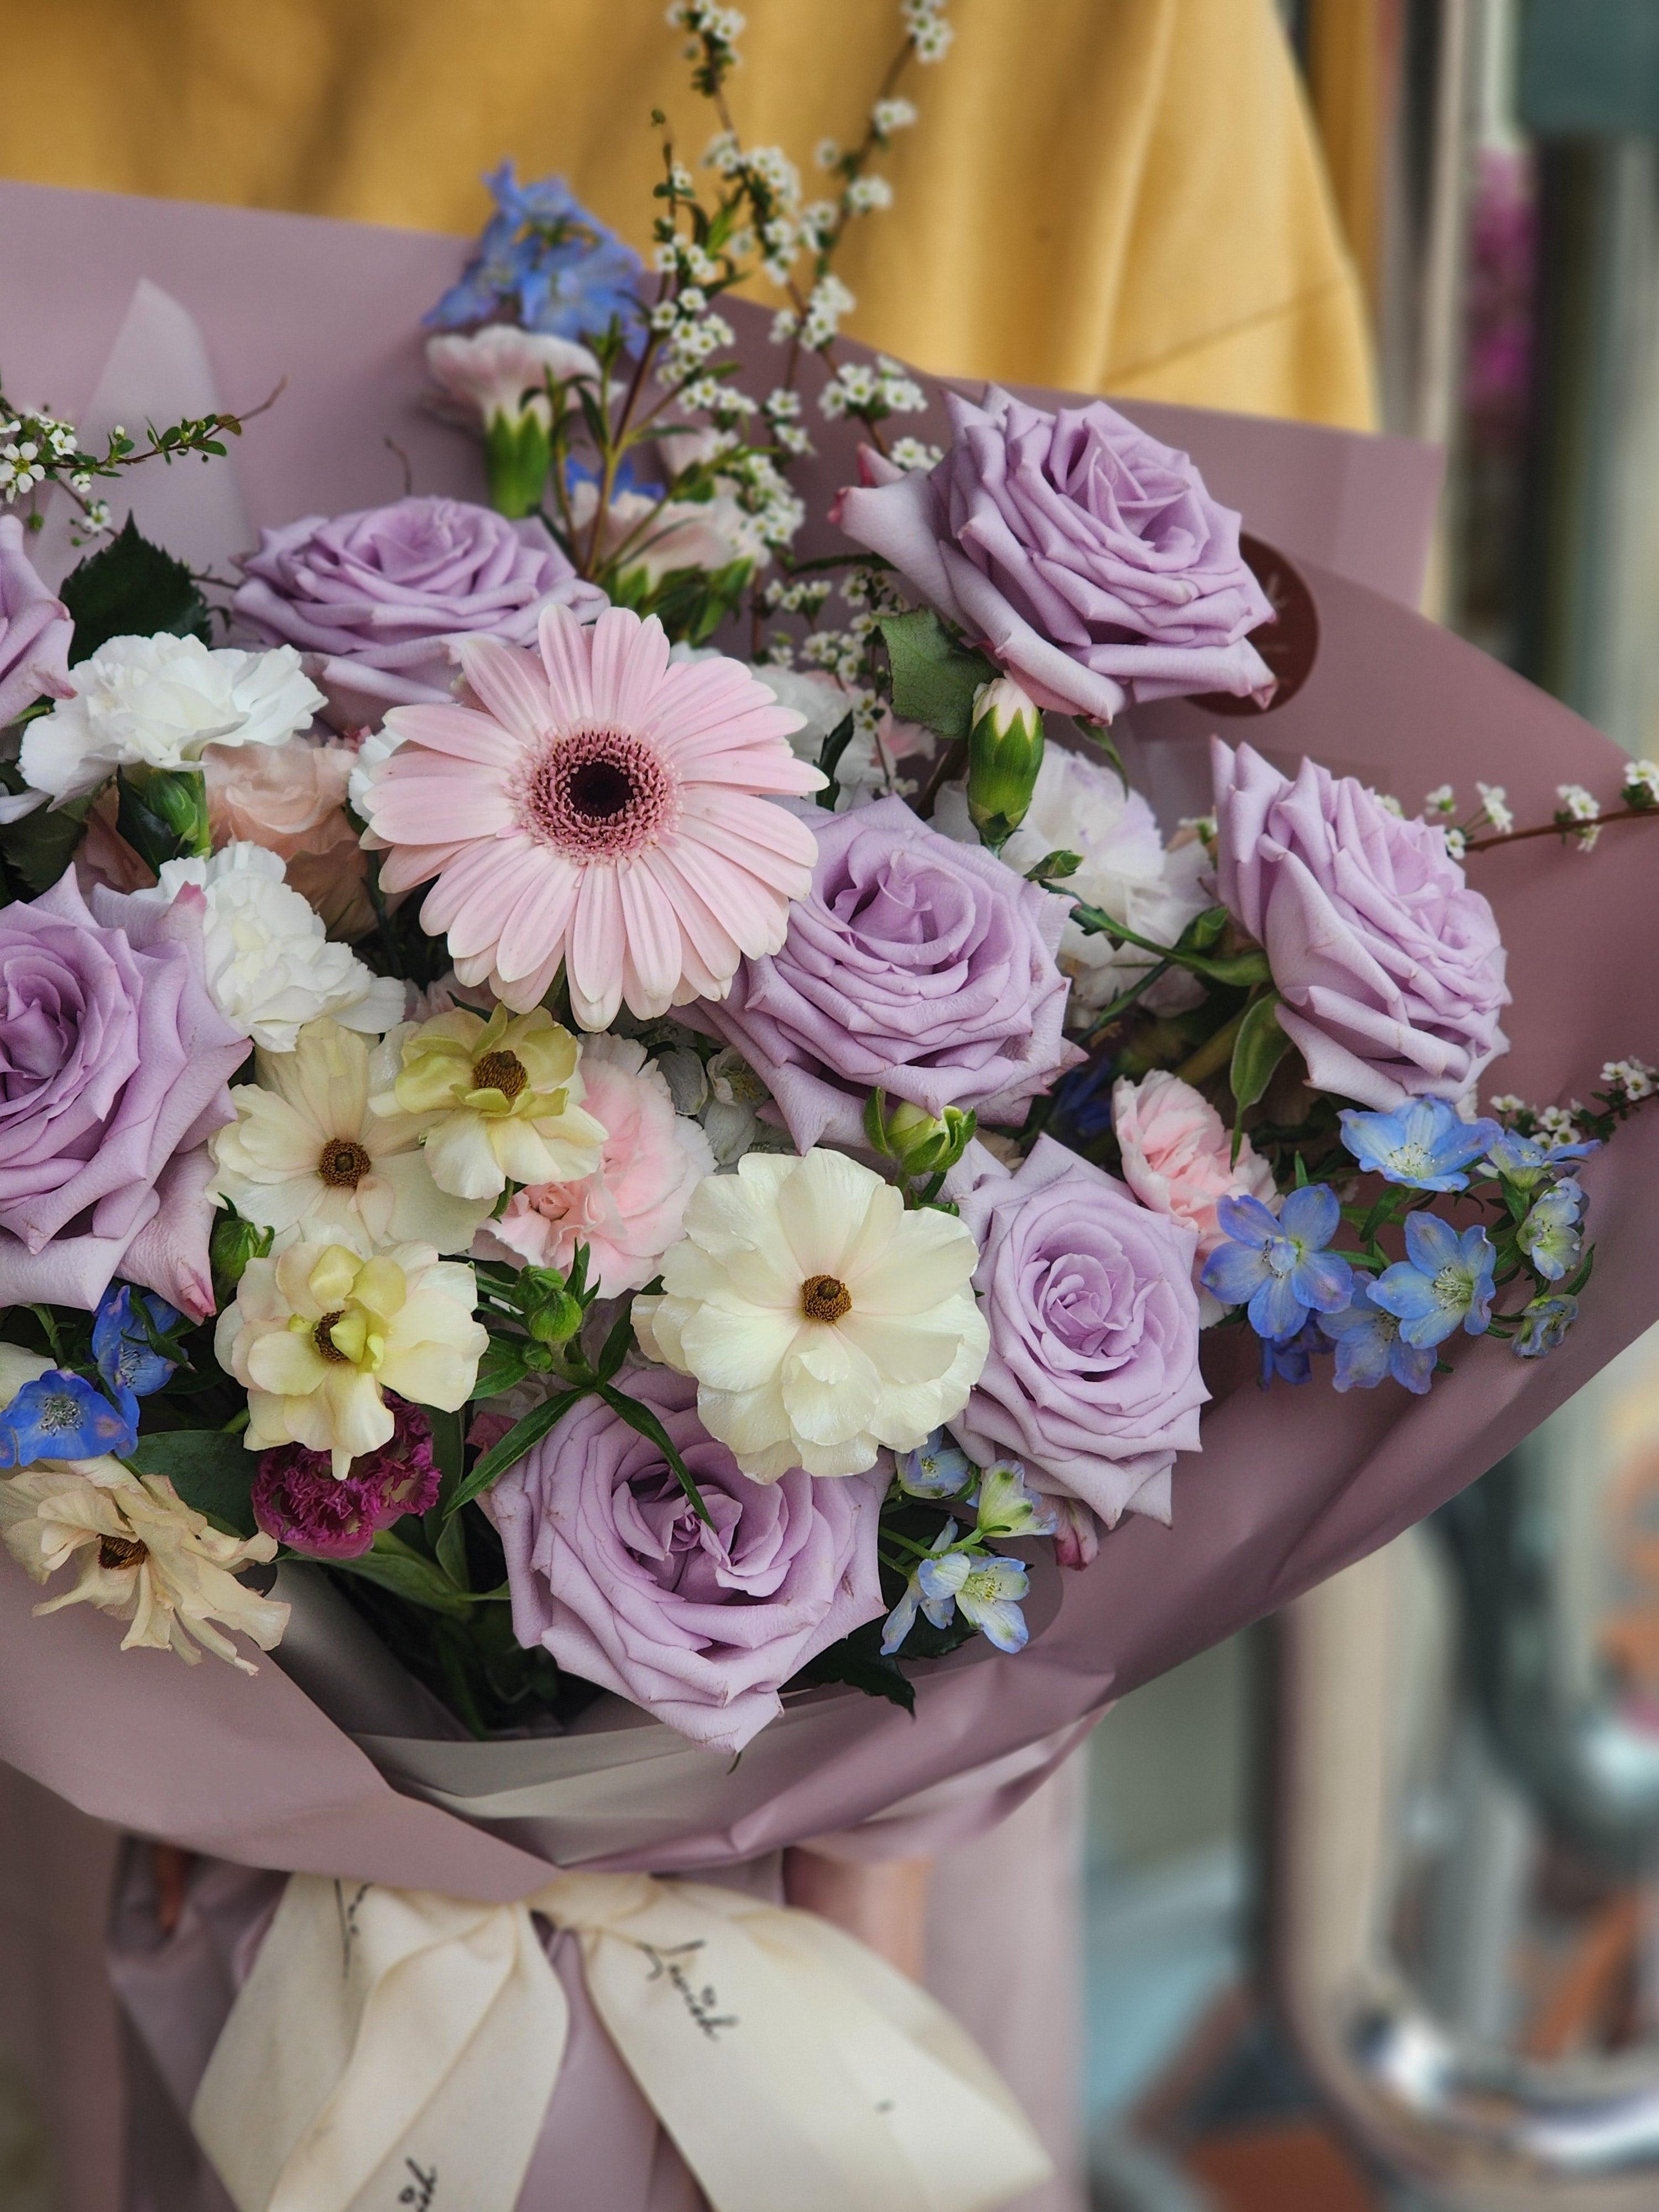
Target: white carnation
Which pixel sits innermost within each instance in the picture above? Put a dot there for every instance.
(270, 966)
(159, 702)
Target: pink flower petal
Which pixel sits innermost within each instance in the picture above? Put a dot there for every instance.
(511, 684)
(594, 955)
(565, 651)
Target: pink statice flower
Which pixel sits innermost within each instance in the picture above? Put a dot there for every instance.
(632, 1208)
(602, 807)
(1177, 1154)
(298, 1500)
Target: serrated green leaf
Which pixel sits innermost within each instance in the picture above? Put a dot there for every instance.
(211, 1470)
(935, 678)
(131, 588)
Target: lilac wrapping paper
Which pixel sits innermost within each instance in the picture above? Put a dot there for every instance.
(1288, 1489)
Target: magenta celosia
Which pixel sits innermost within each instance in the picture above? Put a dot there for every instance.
(298, 1500)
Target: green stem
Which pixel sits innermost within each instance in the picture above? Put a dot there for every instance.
(1213, 1053)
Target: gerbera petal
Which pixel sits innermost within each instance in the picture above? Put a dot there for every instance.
(630, 661)
(594, 954)
(653, 939)
(566, 650)
(756, 918)
(535, 930)
(461, 732)
(487, 908)
(511, 685)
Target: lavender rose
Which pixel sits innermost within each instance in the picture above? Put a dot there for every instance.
(113, 1062)
(1092, 1380)
(1088, 559)
(613, 1572)
(379, 594)
(1391, 969)
(34, 630)
(918, 964)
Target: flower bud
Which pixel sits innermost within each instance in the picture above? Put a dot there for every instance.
(556, 1318)
(1005, 752)
(163, 812)
(518, 454)
(232, 1244)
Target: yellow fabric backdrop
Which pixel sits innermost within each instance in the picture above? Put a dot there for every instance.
(1110, 195)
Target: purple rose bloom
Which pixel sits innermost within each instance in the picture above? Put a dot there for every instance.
(380, 595)
(1093, 1379)
(918, 964)
(298, 1500)
(1087, 559)
(113, 1062)
(614, 1573)
(1390, 968)
(34, 630)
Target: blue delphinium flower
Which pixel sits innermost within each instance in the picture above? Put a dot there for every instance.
(1445, 1280)
(1550, 1236)
(1369, 1347)
(1276, 1264)
(935, 1469)
(1290, 1358)
(1083, 1100)
(61, 1416)
(1524, 1161)
(1543, 1325)
(1424, 1144)
(544, 263)
(121, 1343)
(1007, 1507)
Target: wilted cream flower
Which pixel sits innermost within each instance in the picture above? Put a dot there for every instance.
(494, 1099)
(821, 1320)
(318, 1335)
(307, 1159)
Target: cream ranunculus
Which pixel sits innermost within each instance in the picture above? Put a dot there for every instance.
(498, 1101)
(821, 1320)
(318, 1336)
(307, 1159)
(142, 1554)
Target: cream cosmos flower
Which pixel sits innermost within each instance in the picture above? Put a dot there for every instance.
(318, 1335)
(821, 1320)
(305, 1157)
(495, 1099)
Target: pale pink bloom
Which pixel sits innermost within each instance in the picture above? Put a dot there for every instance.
(501, 370)
(601, 806)
(632, 1208)
(291, 800)
(1176, 1154)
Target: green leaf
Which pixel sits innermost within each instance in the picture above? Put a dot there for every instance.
(536, 1424)
(1259, 1046)
(397, 1567)
(1239, 970)
(450, 1551)
(644, 1423)
(829, 756)
(861, 1667)
(210, 1470)
(131, 588)
(39, 849)
(935, 679)
(502, 1367)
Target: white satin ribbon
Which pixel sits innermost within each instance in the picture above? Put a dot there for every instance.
(394, 2047)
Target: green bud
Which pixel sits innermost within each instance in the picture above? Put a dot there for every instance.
(556, 1319)
(232, 1244)
(163, 812)
(1005, 752)
(924, 1144)
(517, 458)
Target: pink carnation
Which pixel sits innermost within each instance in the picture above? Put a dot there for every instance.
(632, 1208)
(291, 800)
(1176, 1154)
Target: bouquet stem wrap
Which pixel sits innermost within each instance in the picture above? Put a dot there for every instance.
(395, 2046)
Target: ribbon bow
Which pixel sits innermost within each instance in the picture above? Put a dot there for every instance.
(397, 2047)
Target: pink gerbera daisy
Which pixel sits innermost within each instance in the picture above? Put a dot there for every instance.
(604, 806)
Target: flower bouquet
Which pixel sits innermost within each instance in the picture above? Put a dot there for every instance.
(683, 1133)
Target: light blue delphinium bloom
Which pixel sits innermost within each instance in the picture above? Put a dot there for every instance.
(1543, 1325)
(986, 1587)
(120, 1342)
(61, 1416)
(1369, 1347)
(1290, 1358)
(936, 1469)
(1524, 1161)
(1008, 1508)
(1276, 1264)
(1550, 1234)
(1424, 1144)
(902, 1619)
(544, 263)
(1445, 1280)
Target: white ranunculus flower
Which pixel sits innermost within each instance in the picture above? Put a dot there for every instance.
(501, 370)
(270, 965)
(821, 1320)
(1079, 805)
(158, 702)
(307, 1159)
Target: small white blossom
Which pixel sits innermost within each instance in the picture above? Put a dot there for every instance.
(911, 454)
(1387, 799)
(1633, 1078)
(868, 195)
(1507, 1103)
(1641, 784)
(1493, 797)
(1557, 1124)
(1443, 799)
(826, 154)
(888, 116)
(1456, 844)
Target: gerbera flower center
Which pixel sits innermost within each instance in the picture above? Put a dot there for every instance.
(599, 795)
(500, 1071)
(825, 1298)
(323, 1337)
(342, 1163)
(117, 1552)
